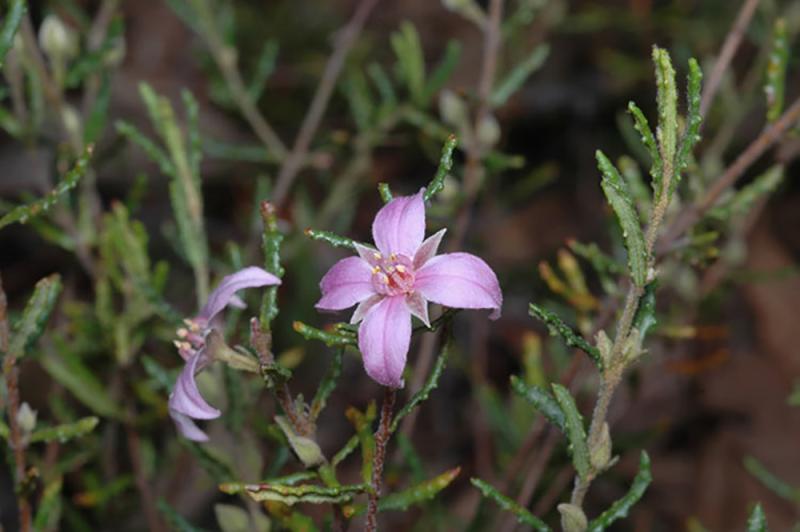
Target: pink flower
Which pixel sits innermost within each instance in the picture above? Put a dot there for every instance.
(397, 280)
(195, 346)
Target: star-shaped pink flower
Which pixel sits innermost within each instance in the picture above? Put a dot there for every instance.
(185, 402)
(397, 280)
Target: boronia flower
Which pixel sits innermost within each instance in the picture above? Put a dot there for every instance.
(397, 280)
(200, 344)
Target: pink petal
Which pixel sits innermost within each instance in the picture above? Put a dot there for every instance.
(368, 254)
(364, 307)
(428, 249)
(185, 397)
(418, 306)
(222, 295)
(383, 339)
(399, 226)
(187, 427)
(460, 280)
(348, 282)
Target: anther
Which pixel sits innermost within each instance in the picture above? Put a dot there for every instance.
(400, 268)
(182, 333)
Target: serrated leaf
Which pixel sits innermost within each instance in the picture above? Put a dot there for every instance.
(522, 514)
(556, 326)
(291, 495)
(620, 509)
(757, 522)
(271, 240)
(642, 126)
(691, 134)
(445, 164)
(330, 339)
(10, 25)
(618, 196)
(541, 400)
(521, 72)
(66, 432)
(667, 100)
(23, 213)
(576, 433)
(422, 395)
(419, 493)
(34, 318)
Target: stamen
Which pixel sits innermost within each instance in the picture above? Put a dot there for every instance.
(376, 269)
(182, 333)
(377, 255)
(393, 256)
(400, 268)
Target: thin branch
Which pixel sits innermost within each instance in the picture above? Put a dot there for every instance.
(381, 439)
(11, 374)
(729, 47)
(756, 149)
(344, 42)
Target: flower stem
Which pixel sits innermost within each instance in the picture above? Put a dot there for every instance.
(381, 439)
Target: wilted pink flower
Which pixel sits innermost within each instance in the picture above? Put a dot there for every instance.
(185, 401)
(398, 280)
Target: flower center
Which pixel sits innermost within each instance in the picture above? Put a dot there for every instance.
(393, 275)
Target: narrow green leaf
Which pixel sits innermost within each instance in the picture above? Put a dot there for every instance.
(49, 508)
(574, 430)
(96, 122)
(66, 432)
(345, 451)
(327, 385)
(645, 317)
(776, 70)
(441, 74)
(195, 144)
(521, 72)
(176, 521)
(330, 339)
(541, 400)
(331, 238)
(771, 481)
(23, 213)
(291, 495)
(10, 26)
(556, 326)
(522, 514)
(271, 240)
(757, 522)
(150, 149)
(445, 164)
(667, 99)
(384, 85)
(265, 66)
(211, 461)
(410, 60)
(691, 134)
(356, 90)
(616, 191)
(422, 395)
(31, 324)
(70, 371)
(649, 140)
(362, 421)
(620, 509)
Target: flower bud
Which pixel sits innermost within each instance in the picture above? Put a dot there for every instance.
(453, 109)
(572, 518)
(604, 345)
(26, 418)
(306, 449)
(59, 41)
(488, 131)
(600, 453)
